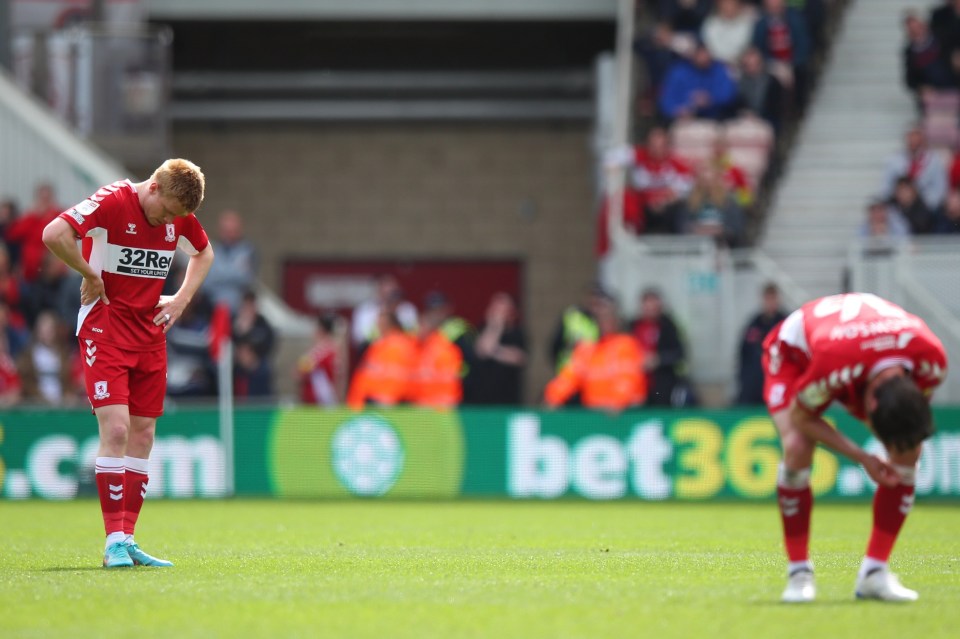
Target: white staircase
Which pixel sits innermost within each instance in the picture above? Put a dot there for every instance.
(856, 120)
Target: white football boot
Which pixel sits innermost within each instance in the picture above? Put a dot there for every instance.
(800, 587)
(883, 585)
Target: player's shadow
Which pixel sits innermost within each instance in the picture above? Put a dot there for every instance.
(68, 568)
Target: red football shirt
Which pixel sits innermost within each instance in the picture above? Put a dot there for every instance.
(133, 258)
(839, 343)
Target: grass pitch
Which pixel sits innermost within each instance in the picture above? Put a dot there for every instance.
(378, 569)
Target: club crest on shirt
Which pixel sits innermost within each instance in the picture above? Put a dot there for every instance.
(100, 390)
(171, 233)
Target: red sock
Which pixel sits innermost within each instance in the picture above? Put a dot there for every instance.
(134, 490)
(109, 474)
(796, 504)
(890, 509)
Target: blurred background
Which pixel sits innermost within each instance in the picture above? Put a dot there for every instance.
(507, 175)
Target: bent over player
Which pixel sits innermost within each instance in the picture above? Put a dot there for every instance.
(129, 235)
(882, 364)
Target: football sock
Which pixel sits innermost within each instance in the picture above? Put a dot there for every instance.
(134, 490)
(109, 476)
(794, 567)
(114, 538)
(796, 503)
(890, 509)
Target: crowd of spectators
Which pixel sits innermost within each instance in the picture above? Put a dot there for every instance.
(919, 194)
(703, 191)
(706, 58)
(712, 67)
(40, 362)
(441, 362)
(920, 190)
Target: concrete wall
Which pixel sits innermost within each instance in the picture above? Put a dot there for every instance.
(411, 190)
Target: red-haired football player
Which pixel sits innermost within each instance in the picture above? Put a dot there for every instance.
(130, 233)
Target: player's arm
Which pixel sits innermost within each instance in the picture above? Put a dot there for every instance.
(172, 306)
(61, 239)
(817, 429)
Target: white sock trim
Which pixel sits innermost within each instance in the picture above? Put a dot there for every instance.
(795, 479)
(109, 465)
(115, 538)
(136, 464)
(794, 566)
(908, 474)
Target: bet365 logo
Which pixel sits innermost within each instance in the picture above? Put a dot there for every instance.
(367, 456)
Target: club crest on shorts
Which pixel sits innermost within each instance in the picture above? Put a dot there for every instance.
(100, 390)
(171, 233)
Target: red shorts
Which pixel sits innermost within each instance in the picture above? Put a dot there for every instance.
(114, 375)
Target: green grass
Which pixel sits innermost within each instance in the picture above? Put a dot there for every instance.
(376, 569)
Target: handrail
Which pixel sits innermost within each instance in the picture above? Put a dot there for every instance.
(87, 162)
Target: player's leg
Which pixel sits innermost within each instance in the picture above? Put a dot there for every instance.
(114, 424)
(890, 509)
(147, 390)
(795, 499)
(106, 375)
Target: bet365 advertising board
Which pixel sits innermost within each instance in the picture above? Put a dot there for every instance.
(406, 453)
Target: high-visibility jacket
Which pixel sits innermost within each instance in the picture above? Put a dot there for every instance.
(387, 371)
(576, 326)
(608, 373)
(438, 381)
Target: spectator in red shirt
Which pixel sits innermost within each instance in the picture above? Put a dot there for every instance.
(320, 370)
(661, 180)
(26, 232)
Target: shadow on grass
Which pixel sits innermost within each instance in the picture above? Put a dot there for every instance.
(74, 569)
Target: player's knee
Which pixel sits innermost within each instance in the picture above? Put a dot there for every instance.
(115, 433)
(143, 437)
(796, 444)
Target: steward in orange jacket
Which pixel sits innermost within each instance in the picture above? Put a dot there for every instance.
(386, 373)
(439, 379)
(608, 373)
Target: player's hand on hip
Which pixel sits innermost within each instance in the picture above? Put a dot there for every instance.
(171, 309)
(881, 471)
(92, 289)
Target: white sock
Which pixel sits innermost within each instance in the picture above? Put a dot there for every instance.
(128, 540)
(115, 538)
(794, 566)
(869, 565)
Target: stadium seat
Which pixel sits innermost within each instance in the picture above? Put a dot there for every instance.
(749, 132)
(753, 161)
(942, 130)
(693, 140)
(941, 102)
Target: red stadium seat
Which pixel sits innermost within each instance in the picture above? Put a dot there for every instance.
(693, 140)
(749, 132)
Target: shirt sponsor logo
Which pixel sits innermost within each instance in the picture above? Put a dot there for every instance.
(76, 216)
(100, 390)
(131, 228)
(856, 330)
(139, 262)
